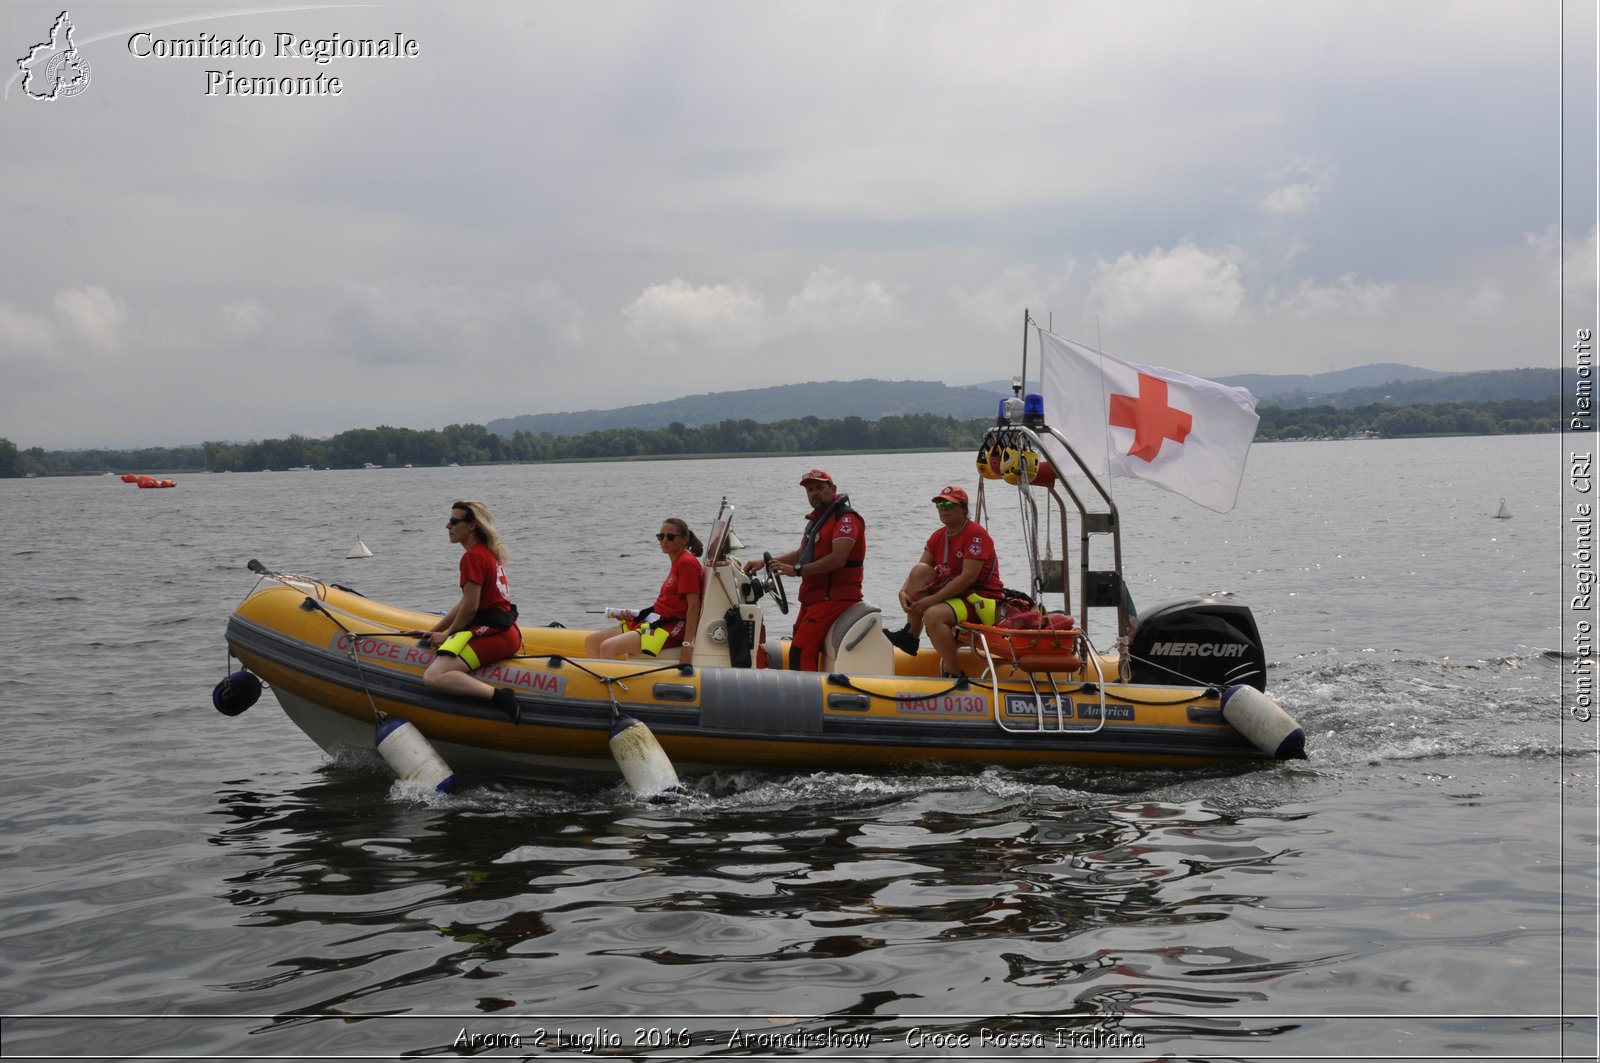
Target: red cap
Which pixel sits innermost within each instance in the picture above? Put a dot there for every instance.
(816, 475)
(952, 494)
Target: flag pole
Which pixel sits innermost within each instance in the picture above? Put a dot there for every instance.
(1024, 354)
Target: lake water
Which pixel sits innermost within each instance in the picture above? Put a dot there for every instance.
(181, 884)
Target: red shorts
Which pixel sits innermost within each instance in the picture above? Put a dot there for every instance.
(486, 646)
(811, 630)
(657, 635)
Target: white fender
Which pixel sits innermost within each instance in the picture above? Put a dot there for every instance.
(644, 764)
(1264, 723)
(411, 757)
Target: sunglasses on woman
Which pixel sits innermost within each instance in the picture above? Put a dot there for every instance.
(662, 537)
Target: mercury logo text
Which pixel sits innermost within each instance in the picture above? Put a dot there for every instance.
(1198, 649)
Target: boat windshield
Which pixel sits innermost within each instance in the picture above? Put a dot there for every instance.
(722, 541)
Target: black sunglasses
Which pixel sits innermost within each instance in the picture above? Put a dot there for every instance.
(662, 537)
(460, 520)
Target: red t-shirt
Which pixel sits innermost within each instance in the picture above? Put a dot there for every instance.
(950, 554)
(687, 577)
(480, 566)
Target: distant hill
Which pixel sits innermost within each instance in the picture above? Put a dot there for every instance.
(1268, 386)
(867, 399)
(1491, 385)
(874, 399)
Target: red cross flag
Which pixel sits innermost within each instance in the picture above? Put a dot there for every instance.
(1180, 432)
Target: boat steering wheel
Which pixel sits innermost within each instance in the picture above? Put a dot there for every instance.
(775, 584)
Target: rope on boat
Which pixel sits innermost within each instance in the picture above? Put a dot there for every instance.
(311, 603)
(840, 679)
(609, 681)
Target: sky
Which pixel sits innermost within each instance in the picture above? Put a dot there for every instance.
(564, 206)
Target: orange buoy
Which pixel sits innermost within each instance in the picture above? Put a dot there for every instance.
(129, 478)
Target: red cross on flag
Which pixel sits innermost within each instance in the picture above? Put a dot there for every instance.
(1177, 431)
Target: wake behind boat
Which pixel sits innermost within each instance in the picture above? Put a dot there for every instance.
(1181, 686)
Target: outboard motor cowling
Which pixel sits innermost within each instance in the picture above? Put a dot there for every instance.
(1204, 641)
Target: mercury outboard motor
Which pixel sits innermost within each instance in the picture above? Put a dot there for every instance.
(1198, 640)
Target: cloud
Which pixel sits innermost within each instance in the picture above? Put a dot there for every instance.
(1346, 297)
(95, 313)
(1301, 185)
(832, 300)
(1017, 287)
(21, 330)
(677, 316)
(1579, 257)
(1488, 301)
(403, 321)
(1291, 199)
(243, 317)
(1186, 282)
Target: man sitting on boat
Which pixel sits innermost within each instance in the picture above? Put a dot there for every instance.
(828, 564)
(957, 580)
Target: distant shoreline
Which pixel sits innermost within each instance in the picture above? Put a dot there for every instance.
(716, 456)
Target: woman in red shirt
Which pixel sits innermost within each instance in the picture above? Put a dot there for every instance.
(675, 616)
(482, 627)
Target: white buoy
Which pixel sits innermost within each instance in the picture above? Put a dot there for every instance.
(359, 550)
(411, 757)
(1504, 512)
(1264, 723)
(644, 764)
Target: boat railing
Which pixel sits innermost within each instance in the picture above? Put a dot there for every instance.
(1097, 587)
(308, 585)
(1052, 706)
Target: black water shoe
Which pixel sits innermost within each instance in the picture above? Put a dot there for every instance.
(904, 641)
(505, 699)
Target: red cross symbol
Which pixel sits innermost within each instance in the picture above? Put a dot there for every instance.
(1151, 419)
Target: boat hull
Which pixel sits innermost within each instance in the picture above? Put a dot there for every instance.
(334, 663)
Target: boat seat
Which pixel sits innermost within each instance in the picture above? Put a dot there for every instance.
(856, 644)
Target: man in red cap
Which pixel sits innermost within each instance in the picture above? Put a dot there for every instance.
(956, 580)
(828, 564)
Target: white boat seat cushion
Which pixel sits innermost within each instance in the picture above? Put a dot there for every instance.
(856, 643)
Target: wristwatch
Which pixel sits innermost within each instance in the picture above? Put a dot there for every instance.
(797, 569)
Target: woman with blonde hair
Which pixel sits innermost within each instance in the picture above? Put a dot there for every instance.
(674, 617)
(482, 626)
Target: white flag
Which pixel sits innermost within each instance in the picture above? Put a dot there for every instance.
(1180, 432)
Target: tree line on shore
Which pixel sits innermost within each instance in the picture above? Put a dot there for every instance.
(473, 444)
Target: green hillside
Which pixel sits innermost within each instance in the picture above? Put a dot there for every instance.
(866, 399)
(871, 400)
(1456, 387)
